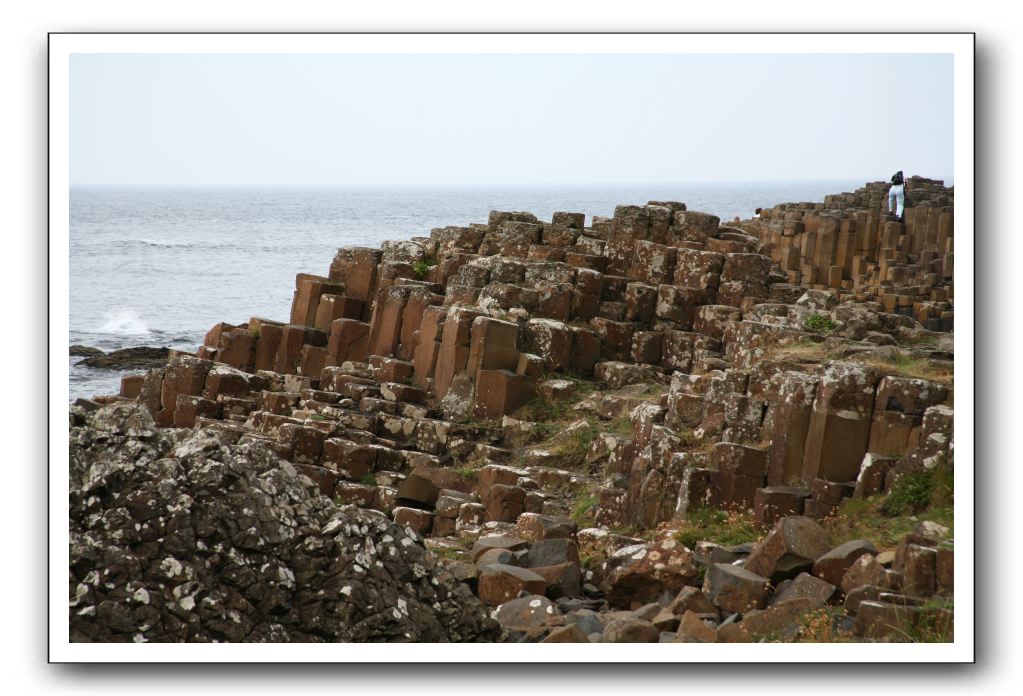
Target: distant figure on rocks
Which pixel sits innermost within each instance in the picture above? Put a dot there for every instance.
(756, 213)
(897, 196)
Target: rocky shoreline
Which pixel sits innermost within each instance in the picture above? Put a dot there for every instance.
(136, 358)
(655, 428)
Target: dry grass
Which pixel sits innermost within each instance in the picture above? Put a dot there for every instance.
(904, 365)
(724, 527)
(818, 626)
(900, 364)
(864, 518)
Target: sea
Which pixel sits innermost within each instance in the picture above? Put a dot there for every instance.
(160, 266)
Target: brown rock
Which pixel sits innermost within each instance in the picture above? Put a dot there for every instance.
(566, 634)
(526, 613)
(865, 570)
(631, 631)
(806, 586)
(694, 629)
(735, 589)
(774, 502)
(790, 548)
(832, 566)
(501, 583)
(423, 485)
(419, 521)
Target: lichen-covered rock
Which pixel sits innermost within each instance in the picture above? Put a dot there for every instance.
(178, 536)
(645, 572)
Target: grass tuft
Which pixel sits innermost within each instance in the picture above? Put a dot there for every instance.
(819, 324)
(724, 527)
(422, 266)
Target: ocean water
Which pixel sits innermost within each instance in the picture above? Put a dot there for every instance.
(159, 267)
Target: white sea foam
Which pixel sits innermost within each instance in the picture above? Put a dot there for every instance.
(124, 322)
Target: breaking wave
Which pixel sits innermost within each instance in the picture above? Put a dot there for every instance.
(124, 322)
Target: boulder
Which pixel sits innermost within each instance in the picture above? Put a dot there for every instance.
(806, 586)
(631, 631)
(735, 589)
(644, 572)
(524, 613)
(790, 548)
(423, 485)
(499, 583)
(832, 566)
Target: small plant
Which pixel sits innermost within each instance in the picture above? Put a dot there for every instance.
(422, 266)
(368, 479)
(466, 472)
(620, 426)
(818, 626)
(724, 527)
(935, 624)
(910, 494)
(543, 431)
(453, 553)
(865, 518)
(904, 365)
(570, 449)
(818, 323)
(582, 510)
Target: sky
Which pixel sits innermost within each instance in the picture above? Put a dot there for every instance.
(422, 120)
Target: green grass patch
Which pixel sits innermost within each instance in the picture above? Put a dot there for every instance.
(368, 479)
(819, 324)
(540, 410)
(570, 450)
(582, 510)
(466, 472)
(727, 528)
(864, 518)
(422, 266)
(915, 492)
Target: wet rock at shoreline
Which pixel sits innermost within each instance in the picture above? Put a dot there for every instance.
(139, 358)
(85, 351)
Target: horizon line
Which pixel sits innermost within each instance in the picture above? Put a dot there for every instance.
(476, 185)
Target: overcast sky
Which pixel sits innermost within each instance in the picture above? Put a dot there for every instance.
(321, 120)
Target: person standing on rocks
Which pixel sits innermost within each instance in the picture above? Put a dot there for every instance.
(897, 196)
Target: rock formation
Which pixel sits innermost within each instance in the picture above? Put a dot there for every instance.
(486, 384)
(181, 536)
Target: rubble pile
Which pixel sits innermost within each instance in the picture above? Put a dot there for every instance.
(545, 402)
(180, 536)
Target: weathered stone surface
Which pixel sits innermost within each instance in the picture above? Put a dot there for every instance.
(806, 586)
(839, 427)
(882, 620)
(643, 572)
(774, 502)
(780, 621)
(566, 634)
(525, 613)
(832, 566)
(286, 542)
(791, 547)
(693, 629)
(499, 583)
(423, 485)
(865, 570)
(631, 631)
(735, 589)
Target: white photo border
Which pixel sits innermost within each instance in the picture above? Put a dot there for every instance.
(63, 45)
